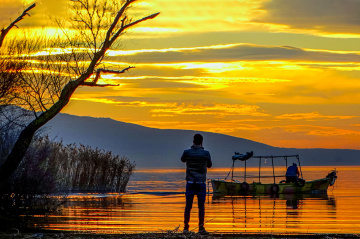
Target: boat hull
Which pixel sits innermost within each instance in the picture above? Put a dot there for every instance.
(224, 187)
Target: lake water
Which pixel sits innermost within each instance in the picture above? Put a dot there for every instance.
(155, 202)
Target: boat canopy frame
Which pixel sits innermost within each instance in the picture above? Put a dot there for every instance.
(272, 157)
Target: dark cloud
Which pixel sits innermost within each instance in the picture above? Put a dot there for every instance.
(239, 53)
(331, 16)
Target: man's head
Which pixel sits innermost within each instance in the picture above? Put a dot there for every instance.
(198, 139)
(294, 164)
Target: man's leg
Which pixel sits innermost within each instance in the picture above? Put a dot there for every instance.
(201, 195)
(189, 201)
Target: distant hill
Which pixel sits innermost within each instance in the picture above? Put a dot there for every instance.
(162, 148)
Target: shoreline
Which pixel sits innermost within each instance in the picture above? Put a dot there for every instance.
(48, 234)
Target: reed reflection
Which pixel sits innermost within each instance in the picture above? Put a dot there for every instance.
(89, 213)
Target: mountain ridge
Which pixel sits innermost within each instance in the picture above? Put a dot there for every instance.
(162, 148)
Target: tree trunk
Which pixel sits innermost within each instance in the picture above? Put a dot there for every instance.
(117, 27)
(8, 167)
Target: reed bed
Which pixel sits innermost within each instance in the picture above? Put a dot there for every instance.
(52, 167)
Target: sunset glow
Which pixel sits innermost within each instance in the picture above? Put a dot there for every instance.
(283, 73)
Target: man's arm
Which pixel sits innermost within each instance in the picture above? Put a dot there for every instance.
(209, 162)
(183, 157)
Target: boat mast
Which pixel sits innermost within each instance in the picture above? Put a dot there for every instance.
(232, 171)
(298, 158)
(245, 172)
(259, 168)
(272, 162)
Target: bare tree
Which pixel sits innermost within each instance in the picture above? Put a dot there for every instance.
(96, 26)
(9, 69)
(9, 81)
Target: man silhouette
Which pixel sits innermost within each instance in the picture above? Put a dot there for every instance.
(197, 161)
(292, 173)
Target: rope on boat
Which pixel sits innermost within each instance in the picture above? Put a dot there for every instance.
(269, 176)
(231, 170)
(272, 156)
(228, 174)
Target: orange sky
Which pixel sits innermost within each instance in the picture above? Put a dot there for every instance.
(280, 72)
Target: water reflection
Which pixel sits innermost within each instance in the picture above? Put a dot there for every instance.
(89, 213)
(277, 213)
(155, 201)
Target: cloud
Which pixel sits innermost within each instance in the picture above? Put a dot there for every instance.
(203, 82)
(201, 15)
(233, 53)
(312, 116)
(321, 16)
(223, 127)
(9, 11)
(140, 102)
(39, 16)
(320, 130)
(173, 124)
(217, 110)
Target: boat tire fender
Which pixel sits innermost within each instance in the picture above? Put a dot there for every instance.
(332, 182)
(300, 182)
(244, 186)
(275, 188)
(332, 177)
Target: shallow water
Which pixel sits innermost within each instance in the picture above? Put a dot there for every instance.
(155, 202)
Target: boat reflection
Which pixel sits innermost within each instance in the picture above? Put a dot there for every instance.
(285, 212)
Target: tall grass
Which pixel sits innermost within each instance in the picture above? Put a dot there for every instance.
(51, 167)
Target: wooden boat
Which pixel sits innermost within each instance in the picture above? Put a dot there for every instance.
(235, 187)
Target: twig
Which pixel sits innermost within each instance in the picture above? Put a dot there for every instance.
(102, 70)
(5, 31)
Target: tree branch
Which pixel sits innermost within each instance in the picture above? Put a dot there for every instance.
(119, 14)
(5, 31)
(124, 27)
(97, 85)
(102, 70)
